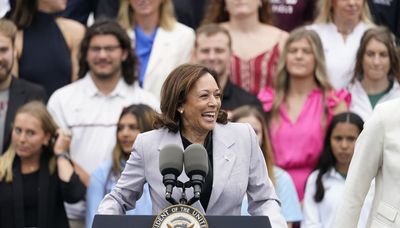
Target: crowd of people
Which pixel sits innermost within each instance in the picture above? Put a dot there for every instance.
(276, 91)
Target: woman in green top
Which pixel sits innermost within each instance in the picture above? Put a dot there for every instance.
(376, 74)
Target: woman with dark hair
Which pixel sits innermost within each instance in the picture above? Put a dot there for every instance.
(256, 43)
(377, 72)
(133, 120)
(47, 45)
(325, 185)
(191, 113)
(36, 173)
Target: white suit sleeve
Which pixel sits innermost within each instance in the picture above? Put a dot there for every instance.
(366, 162)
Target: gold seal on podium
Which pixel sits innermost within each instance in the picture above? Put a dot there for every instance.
(180, 216)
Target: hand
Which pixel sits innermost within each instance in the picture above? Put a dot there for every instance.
(62, 142)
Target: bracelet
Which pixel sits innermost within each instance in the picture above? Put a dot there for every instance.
(64, 155)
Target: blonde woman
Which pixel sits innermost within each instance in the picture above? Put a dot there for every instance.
(36, 174)
(161, 43)
(301, 106)
(340, 25)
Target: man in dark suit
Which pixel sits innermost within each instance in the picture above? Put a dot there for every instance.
(14, 92)
(213, 49)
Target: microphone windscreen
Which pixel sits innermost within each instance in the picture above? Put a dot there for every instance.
(171, 160)
(196, 160)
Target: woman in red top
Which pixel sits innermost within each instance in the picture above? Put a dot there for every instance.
(255, 42)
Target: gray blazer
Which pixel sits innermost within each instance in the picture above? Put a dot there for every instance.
(377, 155)
(239, 168)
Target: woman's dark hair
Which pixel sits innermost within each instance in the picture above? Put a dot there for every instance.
(174, 92)
(145, 118)
(327, 160)
(109, 27)
(24, 13)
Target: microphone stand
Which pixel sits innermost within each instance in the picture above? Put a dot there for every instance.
(183, 199)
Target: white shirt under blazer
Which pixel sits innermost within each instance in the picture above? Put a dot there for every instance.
(238, 168)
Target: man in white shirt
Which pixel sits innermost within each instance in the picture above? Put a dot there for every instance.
(90, 107)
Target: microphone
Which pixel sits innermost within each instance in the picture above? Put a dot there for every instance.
(171, 165)
(196, 168)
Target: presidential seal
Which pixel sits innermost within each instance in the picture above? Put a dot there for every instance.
(180, 216)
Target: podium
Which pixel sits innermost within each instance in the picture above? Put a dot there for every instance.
(146, 221)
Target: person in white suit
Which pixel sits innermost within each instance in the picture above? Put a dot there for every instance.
(161, 43)
(191, 113)
(377, 155)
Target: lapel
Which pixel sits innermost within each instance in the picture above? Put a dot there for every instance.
(16, 99)
(159, 50)
(223, 160)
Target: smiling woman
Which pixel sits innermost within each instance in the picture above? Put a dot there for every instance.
(190, 105)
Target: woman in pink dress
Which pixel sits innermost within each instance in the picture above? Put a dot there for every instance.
(256, 43)
(301, 106)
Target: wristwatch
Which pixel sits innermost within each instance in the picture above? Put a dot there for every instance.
(64, 155)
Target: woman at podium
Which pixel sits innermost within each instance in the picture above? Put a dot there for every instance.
(191, 113)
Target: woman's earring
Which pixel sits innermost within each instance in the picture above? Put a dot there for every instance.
(180, 111)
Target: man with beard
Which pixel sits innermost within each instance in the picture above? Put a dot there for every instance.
(90, 107)
(14, 92)
(213, 48)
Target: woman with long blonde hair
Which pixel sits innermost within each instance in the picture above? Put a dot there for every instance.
(36, 173)
(301, 105)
